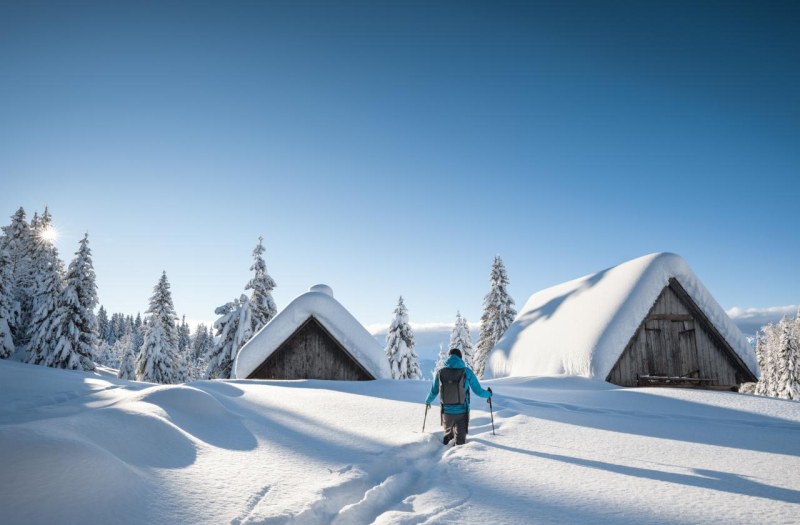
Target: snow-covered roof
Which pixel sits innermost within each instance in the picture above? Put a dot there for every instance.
(319, 303)
(581, 327)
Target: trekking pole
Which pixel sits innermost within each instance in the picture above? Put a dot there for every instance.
(426, 418)
(491, 412)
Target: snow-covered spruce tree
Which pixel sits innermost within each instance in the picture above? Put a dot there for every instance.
(440, 360)
(17, 241)
(104, 355)
(48, 287)
(76, 326)
(760, 388)
(184, 336)
(158, 360)
(769, 375)
(788, 361)
(184, 348)
(262, 305)
(162, 310)
(127, 365)
(461, 338)
(138, 332)
(201, 341)
(117, 327)
(403, 360)
(102, 324)
(233, 331)
(498, 314)
(6, 302)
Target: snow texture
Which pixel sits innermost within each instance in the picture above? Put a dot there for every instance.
(80, 447)
(330, 314)
(581, 327)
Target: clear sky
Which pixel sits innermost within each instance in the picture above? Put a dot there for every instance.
(395, 148)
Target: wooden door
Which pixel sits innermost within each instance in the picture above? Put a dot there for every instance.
(654, 349)
(687, 341)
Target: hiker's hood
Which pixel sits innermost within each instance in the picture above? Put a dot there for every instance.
(454, 362)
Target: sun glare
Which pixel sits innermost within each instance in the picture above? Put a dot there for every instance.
(49, 234)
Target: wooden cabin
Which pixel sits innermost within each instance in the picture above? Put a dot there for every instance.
(646, 322)
(314, 337)
(311, 352)
(677, 345)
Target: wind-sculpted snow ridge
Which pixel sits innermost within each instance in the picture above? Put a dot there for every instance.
(86, 448)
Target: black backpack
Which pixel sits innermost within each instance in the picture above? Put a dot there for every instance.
(451, 386)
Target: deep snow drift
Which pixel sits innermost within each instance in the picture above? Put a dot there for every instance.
(86, 448)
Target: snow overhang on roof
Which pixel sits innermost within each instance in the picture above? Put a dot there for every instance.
(581, 327)
(320, 304)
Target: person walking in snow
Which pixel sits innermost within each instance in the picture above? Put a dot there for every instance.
(453, 383)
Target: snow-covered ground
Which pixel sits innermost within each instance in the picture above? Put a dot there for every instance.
(88, 448)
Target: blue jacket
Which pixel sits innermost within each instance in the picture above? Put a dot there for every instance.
(469, 382)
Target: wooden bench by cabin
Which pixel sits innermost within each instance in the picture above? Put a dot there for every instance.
(648, 380)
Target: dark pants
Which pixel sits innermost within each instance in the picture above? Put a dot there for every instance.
(455, 426)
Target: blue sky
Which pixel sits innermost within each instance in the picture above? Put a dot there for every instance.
(395, 148)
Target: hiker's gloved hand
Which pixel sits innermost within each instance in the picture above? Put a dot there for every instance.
(490, 391)
(427, 405)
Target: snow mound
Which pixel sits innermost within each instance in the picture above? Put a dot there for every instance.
(581, 327)
(198, 414)
(320, 304)
(322, 288)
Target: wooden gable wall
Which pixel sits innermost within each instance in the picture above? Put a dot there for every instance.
(311, 352)
(677, 340)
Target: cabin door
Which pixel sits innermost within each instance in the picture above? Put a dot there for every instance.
(687, 348)
(671, 348)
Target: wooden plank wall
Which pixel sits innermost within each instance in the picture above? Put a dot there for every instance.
(672, 342)
(311, 353)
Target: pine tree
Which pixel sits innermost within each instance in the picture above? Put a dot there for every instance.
(460, 338)
(498, 314)
(403, 360)
(202, 341)
(184, 335)
(185, 358)
(17, 242)
(120, 327)
(158, 360)
(102, 324)
(761, 357)
(163, 310)
(233, 331)
(788, 361)
(6, 302)
(441, 360)
(48, 289)
(262, 306)
(76, 326)
(138, 332)
(770, 372)
(104, 355)
(127, 365)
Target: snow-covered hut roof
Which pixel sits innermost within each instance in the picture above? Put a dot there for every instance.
(581, 327)
(319, 303)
